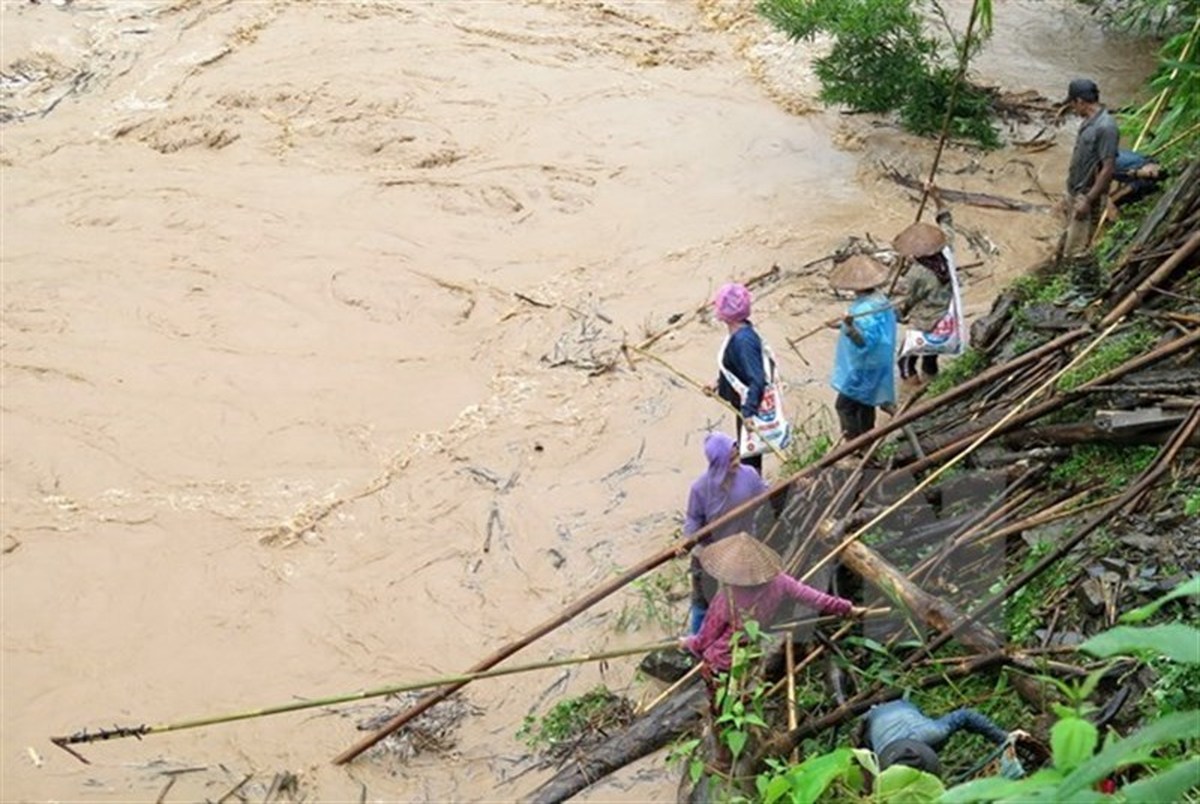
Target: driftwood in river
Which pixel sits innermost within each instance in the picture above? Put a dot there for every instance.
(987, 200)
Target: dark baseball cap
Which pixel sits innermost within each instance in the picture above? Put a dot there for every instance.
(1084, 89)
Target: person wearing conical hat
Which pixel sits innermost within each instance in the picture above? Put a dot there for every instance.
(932, 304)
(754, 587)
(863, 369)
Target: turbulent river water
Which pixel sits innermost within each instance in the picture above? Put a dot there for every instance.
(307, 308)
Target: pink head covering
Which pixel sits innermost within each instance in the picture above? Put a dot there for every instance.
(732, 303)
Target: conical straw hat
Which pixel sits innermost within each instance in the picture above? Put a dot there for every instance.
(741, 560)
(920, 240)
(859, 272)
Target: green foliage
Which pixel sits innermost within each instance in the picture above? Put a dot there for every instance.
(963, 368)
(1108, 355)
(1172, 113)
(1191, 503)
(1077, 767)
(841, 775)
(1189, 588)
(655, 599)
(571, 718)
(883, 60)
(1175, 641)
(1023, 609)
(739, 697)
(1113, 465)
(924, 109)
(1176, 688)
(1149, 17)
(808, 451)
(1040, 287)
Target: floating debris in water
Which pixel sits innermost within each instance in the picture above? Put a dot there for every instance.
(434, 730)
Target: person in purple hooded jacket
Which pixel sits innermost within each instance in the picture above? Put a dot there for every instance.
(726, 484)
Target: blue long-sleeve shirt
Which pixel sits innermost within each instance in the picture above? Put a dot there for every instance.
(743, 358)
(901, 720)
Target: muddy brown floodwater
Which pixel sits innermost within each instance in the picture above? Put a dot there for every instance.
(275, 424)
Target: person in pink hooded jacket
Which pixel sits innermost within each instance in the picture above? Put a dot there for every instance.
(754, 587)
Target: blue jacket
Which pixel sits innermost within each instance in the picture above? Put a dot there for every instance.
(901, 720)
(866, 373)
(743, 358)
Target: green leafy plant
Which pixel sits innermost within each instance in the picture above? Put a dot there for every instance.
(963, 368)
(1108, 355)
(882, 59)
(1191, 503)
(1113, 465)
(655, 599)
(572, 718)
(1076, 764)
(739, 697)
(842, 774)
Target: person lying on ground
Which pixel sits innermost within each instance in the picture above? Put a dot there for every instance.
(754, 587)
(901, 734)
(864, 368)
(726, 484)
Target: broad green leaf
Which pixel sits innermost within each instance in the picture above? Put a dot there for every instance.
(695, 770)
(995, 788)
(736, 740)
(1089, 684)
(1169, 785)
(812, 777)
(867, 760)
(1072, 742)
(900, 784)
(1054, 797)
(773, 790)
(1172, 728)
(1186, 589)
(1176, 641)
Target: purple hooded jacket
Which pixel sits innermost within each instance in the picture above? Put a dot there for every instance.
(708, 499)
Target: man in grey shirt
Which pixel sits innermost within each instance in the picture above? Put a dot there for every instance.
(1092, 165)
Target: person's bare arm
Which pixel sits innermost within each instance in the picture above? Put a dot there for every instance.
(1099, 187)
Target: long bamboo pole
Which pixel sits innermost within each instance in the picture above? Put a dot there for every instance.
(1163, 271)
(988, 433)
(1058, 400)
(681, 548)
(119, 732)
(1170, 86)
(964, 58)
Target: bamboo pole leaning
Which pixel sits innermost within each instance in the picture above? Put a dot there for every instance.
(1058, 400)
(119, 732)
(975, 444)
(680, 548)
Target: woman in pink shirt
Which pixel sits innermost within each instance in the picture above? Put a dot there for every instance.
(754, 588)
